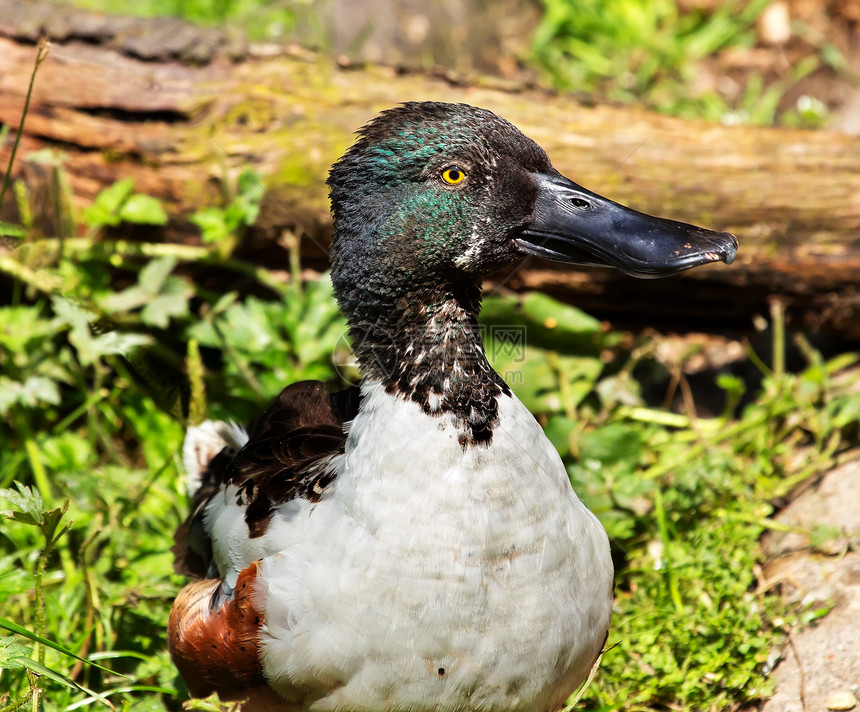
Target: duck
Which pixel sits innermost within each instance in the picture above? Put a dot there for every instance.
(413, 542)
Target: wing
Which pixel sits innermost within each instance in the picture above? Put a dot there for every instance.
(287, 454)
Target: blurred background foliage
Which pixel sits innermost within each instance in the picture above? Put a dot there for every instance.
(738, 61)
(118, 340)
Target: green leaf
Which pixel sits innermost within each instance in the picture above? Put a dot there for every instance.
(612, 443)
(21, 325)
(117, 343)
(557, 316)
(29, 503)
(212, 223)
(540, 321)
(68, 451)
(11, 653)
(161, 295)
(70, 313)
(31, 510)
(153, 280)
(143, 210)
(78, 319)
(40, 389)
(91, 348)
(35, 391)
(10, 230)
(20, 630)
(733, 385)
(125, 301)
(559, 430)
(172, 302)
(225, 301)
(251, 192)
(154, 274)
(105, 210)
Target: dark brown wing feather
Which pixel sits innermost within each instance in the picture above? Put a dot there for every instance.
(289, 447)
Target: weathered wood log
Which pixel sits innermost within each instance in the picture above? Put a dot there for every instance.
(175, 110)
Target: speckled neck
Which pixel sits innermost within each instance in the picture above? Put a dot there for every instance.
(427, 348)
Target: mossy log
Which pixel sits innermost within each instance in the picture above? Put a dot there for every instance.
(178, 109)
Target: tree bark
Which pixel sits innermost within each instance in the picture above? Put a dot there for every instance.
(182, 111)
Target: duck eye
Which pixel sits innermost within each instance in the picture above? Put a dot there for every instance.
(453, 175)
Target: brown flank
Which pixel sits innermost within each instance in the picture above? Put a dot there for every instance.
(217, 649)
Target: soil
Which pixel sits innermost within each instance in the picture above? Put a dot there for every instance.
(816, 565)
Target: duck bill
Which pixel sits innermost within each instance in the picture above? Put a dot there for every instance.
(572, 224)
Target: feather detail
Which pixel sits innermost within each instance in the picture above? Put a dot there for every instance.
(215, 644)
(286, 454)
(203, 443)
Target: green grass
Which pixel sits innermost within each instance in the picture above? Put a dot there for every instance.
(653, 53)
(259, 19)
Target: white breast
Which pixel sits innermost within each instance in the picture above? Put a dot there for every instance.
(430, 577)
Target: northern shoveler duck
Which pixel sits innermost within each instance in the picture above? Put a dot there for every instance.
(413, 543)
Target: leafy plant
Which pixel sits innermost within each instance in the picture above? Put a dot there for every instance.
(225, 226)
(93, 394)
(653, 52)
(119, 203)
(266, 344)
(638, 43)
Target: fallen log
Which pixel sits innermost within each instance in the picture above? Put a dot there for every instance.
(180, 110)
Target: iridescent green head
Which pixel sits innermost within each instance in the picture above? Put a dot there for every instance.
(430, 192)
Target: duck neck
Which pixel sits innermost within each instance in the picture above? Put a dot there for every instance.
(425, 345)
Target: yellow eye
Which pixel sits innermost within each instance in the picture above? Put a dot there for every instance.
(453, 175)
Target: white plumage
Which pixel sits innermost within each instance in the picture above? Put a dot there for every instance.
(428, 576)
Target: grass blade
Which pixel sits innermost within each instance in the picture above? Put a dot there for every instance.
(41, 53)
(13, 627)
(40, 669)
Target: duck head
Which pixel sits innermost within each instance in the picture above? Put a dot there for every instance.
(435, 194)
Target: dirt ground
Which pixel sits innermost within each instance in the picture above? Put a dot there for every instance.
(816, 564)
